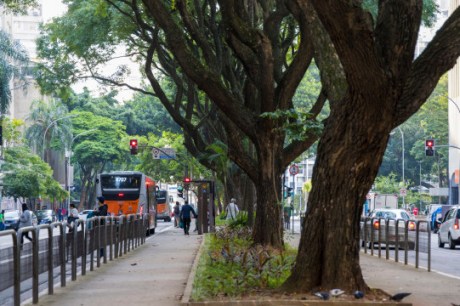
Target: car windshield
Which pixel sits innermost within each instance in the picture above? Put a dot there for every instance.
(43, 213)
(392, 215)
(405, 216)
(11, 214)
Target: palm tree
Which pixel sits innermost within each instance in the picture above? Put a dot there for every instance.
(13, 58)
(51, 127)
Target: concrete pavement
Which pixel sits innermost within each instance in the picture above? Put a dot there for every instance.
(157, 274)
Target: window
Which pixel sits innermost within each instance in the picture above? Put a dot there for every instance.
(120, 182)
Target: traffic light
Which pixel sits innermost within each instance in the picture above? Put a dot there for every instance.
(429, 147)
(133, 146)
(288, 192)
(180, 191)
(187, 182)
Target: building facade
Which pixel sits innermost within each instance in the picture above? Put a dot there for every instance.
(454, 124)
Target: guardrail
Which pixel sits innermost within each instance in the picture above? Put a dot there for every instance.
(62, 252)
(409, 235)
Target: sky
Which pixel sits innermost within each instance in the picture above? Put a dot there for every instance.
(52, 8)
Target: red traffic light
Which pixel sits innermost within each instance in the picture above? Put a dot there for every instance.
(429, 147)
(133, 146)
(187, 180)
(429, 143)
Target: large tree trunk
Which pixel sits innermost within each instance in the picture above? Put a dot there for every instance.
(267, 228)
(349, 155)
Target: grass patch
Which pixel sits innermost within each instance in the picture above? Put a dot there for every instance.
(231, 266)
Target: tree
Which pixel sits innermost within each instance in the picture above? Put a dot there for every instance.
(99, 144)
(18, 6)
(430, 121)
(229, 87)
(28, 177)
(51, 127)
(249, 59)
(145, 114)
(386, 86)
(13, 58)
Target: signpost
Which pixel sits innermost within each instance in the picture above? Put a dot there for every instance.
(293, 170)
(163, 153)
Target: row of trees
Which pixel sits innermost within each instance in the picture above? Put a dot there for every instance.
(233, 68)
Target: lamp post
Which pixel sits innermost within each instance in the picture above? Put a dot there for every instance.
(46, 130)
(403, 180)
(458, 186)
(68, 155)
(420, 185)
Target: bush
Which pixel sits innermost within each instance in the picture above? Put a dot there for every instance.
(231, 265)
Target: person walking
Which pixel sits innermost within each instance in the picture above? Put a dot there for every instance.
(73, 217)
(185, 215)
(2, 220)
(232, 210)
(176, 214)
(25, 220)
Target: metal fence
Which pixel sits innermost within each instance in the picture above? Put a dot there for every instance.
(411, 237)
(67, 248)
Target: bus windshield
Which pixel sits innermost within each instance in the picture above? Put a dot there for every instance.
(120, 182)
(161, 196)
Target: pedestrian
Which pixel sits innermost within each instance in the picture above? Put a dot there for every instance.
(59, 214)
(73, 217)
(287, 217)
(232, 210)
(63, 213)
(2, 220)
(25, 220)
(185, 215)
(177, 214)
(102, 210)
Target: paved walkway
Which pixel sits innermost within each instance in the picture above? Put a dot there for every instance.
(157, 274)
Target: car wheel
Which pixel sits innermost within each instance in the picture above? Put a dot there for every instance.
(440, 243)
(451, 243)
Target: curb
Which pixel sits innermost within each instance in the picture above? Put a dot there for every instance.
(188, 288)
(185, 301)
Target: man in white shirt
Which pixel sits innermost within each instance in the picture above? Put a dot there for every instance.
(232, 210)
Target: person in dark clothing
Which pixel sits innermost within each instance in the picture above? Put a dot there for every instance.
(185, 215)
(102, 209)
(176, 214)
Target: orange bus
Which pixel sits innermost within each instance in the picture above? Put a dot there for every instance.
(128, 192)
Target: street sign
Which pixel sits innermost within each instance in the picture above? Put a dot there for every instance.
(163, 153)
(294, 169)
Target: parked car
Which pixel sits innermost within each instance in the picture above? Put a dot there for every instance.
(12, 219)
(379, 218)
(449, 230)
(83, 215)
(46, 216)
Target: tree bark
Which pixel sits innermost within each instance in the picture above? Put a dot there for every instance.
(385, 87)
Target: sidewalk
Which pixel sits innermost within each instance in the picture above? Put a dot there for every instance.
(157, 274)
(427, 288)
